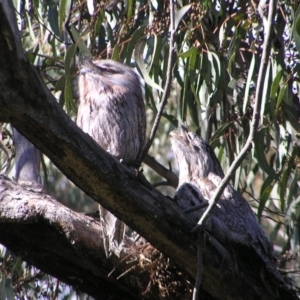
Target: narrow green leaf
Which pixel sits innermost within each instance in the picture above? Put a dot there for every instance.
(249, 79)
(215, 70)
(231, 63)
(280, 98)
(154, 51)
(99, 23)
(183, 100)
(110, 34)
(208, 80)
(64, 10)
(68, 59)
(237, 177)
(116, 53)
(90, 6)
(138, 55)
(45, 171)
(193, 99)
(294, 189)
(155, 63)
(296, 28)
(150, 99)
(222, 34)
(220, 131)
(129, 8)
(297, 25)
(260, 153)
(264, 94)
(273, 91)
(275, 84)
(188, 53)
(52, 40)
(60, 84)
(241, 16)
(234, 44)
(266, 189)
(137, 35)
(220, 153)
(179, 15)
(53, 19)
(283, 185)
(274, 232)
(171, 119)
(80, 42)
(199, 79)
(165, 50)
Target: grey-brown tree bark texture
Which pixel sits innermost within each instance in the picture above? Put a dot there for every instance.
(67, 244)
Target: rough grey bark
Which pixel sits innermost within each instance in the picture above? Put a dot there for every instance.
(63, 243)
(29, 106)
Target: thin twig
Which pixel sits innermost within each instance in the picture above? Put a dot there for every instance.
(161, 183)
(167, 84)
(124, 273)
(168, 174)
(256, 113)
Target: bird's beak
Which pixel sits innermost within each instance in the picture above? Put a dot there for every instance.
(84, 69)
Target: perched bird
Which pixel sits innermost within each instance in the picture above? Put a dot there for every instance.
(232, 223)
(112, 111)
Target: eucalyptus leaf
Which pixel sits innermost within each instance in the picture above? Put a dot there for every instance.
(80, 42)
(179, 15)
(249, 79)
(53, 19)
(138, 54)
(260, 153)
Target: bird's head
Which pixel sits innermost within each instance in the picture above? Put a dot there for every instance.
(193, 154)
(110, 73)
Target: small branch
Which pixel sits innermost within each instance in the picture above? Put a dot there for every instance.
(167, 85)
(171, 177)
(160, 183)
(256, 114)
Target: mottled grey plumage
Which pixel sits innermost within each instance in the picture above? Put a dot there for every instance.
(112, 112)
(232, 222)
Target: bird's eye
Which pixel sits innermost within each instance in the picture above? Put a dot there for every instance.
(107, 69)
(191, 136)
(196, 148)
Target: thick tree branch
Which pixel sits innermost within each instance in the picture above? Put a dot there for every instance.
(64, 243)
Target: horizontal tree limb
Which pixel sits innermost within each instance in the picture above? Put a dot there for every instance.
(67, 244)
